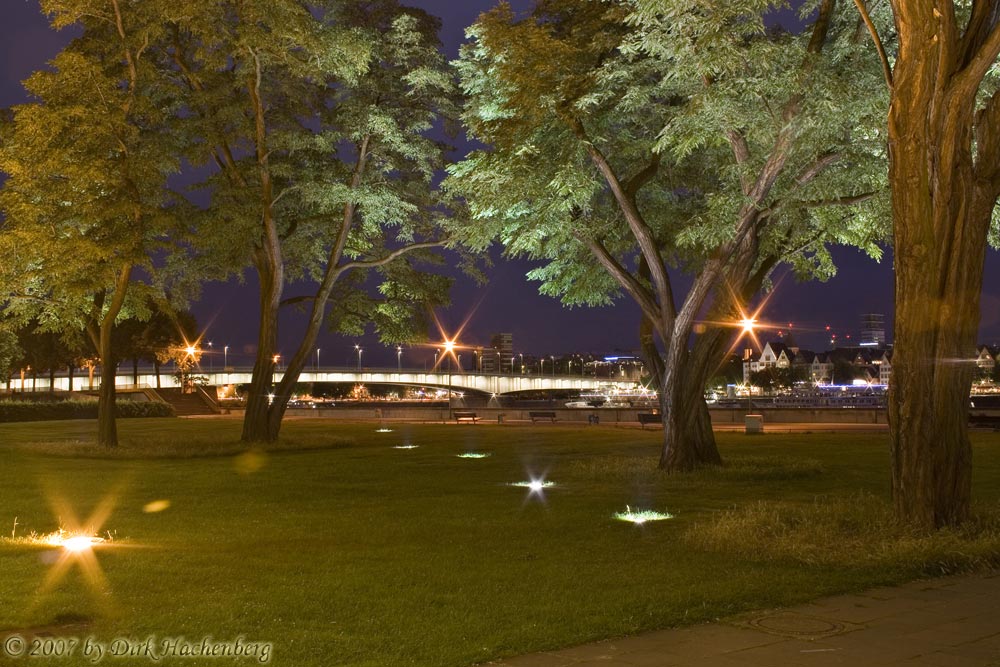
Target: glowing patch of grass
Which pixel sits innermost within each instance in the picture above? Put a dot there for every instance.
(534, 484)
(641, 516)
(405, 446)
(474, 455)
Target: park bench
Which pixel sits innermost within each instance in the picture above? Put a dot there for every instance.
(981, 420)
(649, 418)
(462, 416)
(542, 414)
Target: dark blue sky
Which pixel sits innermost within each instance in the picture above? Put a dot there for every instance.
(508, 302)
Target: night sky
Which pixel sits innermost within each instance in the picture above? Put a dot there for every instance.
(509, 303)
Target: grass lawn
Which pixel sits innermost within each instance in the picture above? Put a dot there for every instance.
(363, 554)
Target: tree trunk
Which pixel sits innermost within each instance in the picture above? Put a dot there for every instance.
(52, 379)
(688, 440)
(939, 226)
(107, 425)
(69, 369)
(135, 371)
(156, 371)
(259, 397)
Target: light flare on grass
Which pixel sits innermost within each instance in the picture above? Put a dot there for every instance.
(473, 455)
(535, 485)
(72, 542)
(405, 446)
(383, 430)
(640, 517)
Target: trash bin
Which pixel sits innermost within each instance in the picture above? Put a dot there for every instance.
(754, 424)
(593, 419)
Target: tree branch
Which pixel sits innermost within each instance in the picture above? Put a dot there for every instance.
(395, 254)
(814, 169)
(632, 287)
(873, 31)
(646, 174)
(640, 230)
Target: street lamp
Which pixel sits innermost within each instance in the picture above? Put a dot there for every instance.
(211, 361)
(436, 353)
(317, 358)
(552, 358)
(521, 356)
(399, 358)
(225, 356)
(359, 349)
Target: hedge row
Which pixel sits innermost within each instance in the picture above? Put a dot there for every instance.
(29, 411)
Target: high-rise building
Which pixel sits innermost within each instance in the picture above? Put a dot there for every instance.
(497, 357)
(872, 330)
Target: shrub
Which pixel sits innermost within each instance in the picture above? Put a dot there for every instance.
(25, 411)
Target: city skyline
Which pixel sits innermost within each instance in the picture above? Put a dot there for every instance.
(509, 302)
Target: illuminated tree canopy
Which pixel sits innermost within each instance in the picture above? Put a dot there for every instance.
(317, 121)
(85, 202)
(629, 143)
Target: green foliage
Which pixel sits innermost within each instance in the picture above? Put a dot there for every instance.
(349, 156)
(659, 78)
(85, 199)
(27, 411)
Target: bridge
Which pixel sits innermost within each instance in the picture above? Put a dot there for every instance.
(487, 383)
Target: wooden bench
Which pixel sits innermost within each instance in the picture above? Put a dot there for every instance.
(544, 414)
(980, 420)
(461, 416)
(649, 418)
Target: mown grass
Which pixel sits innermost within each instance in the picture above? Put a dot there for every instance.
(352, 553)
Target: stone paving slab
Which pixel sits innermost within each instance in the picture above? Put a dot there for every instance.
(947, 622)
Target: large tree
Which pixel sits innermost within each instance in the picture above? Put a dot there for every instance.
(944, 171)
(85, 201)
(629, 142)
(317, 118)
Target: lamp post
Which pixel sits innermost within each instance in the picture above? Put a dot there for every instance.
(449, 346)
(211, 360)
(317, 358)
(399, 358)
(521, 357)
(225, 356)
(541, 365)
(552, 358)
(359, 349)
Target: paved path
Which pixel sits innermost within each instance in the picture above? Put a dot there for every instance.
(949, 622)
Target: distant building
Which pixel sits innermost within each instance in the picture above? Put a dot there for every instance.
(873, 330)
(497, 357)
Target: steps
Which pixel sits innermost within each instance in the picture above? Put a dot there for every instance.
(186, 405)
